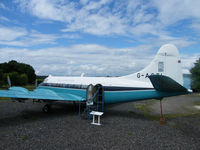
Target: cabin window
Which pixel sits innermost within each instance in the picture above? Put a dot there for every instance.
(77, 86)
(160, 66)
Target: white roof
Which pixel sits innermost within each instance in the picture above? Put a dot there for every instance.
(105, 81)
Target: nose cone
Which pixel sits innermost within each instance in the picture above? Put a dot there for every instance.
(168, 50)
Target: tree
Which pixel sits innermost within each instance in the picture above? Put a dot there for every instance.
(14, 78)
(195, 77)
(19, 73)
(1, 78)
(23, 79)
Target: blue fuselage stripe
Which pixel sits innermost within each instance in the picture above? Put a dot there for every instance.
(116, 96)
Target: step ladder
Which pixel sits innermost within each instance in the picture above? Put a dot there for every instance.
(96, 102)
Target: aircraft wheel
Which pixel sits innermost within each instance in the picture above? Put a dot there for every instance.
(46, 108)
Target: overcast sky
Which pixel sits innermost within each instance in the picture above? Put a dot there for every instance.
(97, 37)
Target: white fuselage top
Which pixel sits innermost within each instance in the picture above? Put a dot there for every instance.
(104, 81)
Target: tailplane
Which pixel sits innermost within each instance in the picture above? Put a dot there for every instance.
(166, 62)
(166, 84)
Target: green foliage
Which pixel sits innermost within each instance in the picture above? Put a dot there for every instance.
(19, 73)
(1, 77)
(41, 79)
(14, 77)
(195, 71)
(24, 79)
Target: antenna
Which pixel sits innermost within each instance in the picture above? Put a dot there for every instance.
(82, 74)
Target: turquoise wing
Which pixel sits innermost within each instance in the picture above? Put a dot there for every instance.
(44, 94)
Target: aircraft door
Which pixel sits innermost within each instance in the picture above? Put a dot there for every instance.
(89, 95)
(94, 94)
(99, 96)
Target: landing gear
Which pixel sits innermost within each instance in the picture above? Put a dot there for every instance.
(46, 108)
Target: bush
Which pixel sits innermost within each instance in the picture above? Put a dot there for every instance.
(19, 73)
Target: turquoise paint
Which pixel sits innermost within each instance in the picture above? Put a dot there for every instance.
(69, 94)
(118, 96)
(126, 96)
(44, 93)
(78, 92)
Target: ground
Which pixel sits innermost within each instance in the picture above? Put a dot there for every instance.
(132, 125)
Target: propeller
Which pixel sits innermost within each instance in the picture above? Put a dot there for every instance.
(9, 82)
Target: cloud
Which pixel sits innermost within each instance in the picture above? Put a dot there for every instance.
(46, 9)
(15, 36)
(91, 59)
(9, 34)
(195, 26)
(2, 19)
(94, 17)
(20, 37)
(2, 6)
(188, 61)
(172, 11)
(131, 18)
(148, 23)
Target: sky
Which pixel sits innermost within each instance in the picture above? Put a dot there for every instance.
(97, 37)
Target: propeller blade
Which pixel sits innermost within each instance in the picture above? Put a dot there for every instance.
(9, 82)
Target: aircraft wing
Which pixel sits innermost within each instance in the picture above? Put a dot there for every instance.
(166, 84)
(44, 94)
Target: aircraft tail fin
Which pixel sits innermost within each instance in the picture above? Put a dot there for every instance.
(166, 62)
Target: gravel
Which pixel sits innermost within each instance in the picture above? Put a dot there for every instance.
(25, 126)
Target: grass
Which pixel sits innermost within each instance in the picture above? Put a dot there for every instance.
(129, 133)
(146, 110)
(197, 103)
(24, 137)
(144, 107)
(172, 116)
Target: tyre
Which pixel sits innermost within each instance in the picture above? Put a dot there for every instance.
(46, 108)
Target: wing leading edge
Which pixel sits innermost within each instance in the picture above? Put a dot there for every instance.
(44, 94)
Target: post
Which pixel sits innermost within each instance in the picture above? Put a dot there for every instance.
(93, 119)
(97, 98)
(99, 119)
(162, 120)
(102, 97)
